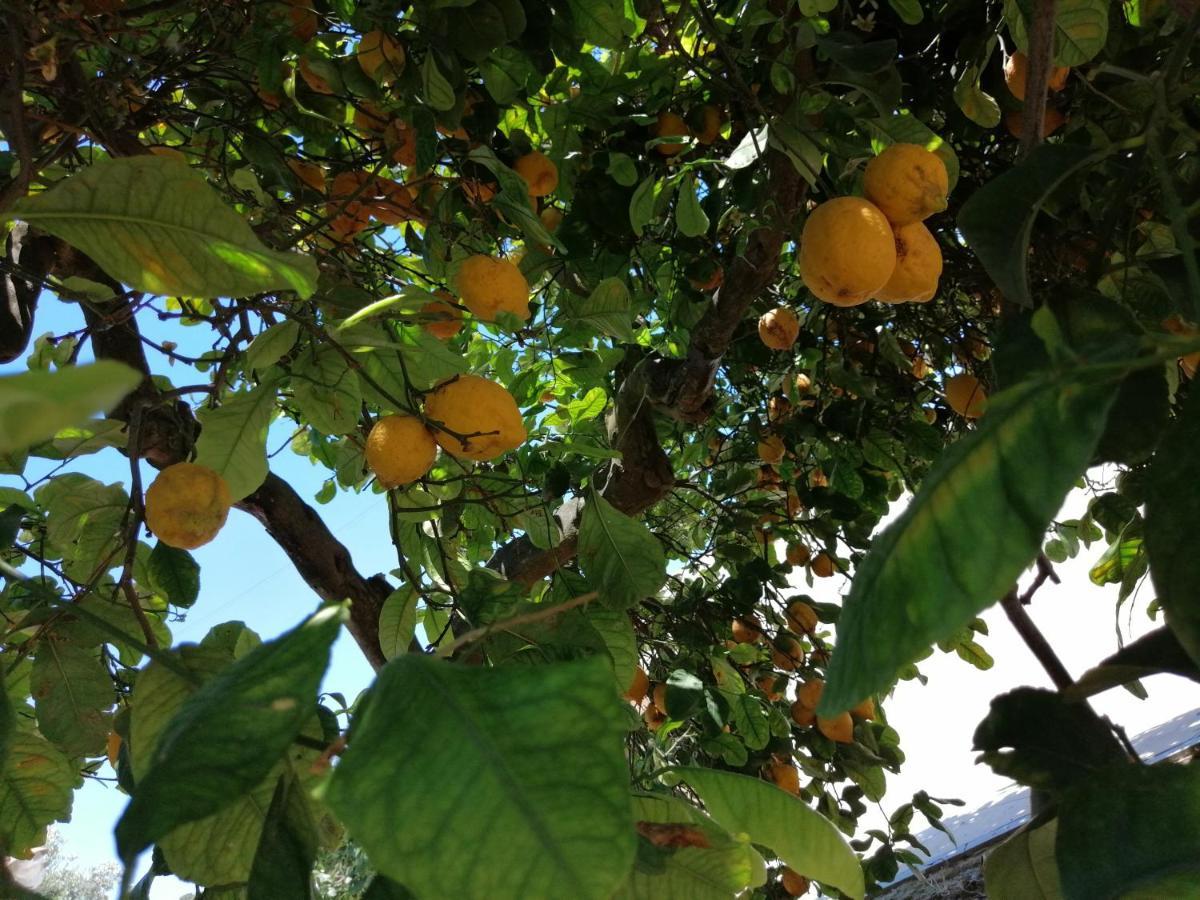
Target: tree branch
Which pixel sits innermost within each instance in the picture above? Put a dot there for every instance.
(1041, 49)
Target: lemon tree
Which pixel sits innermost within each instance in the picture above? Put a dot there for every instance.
(638, 318)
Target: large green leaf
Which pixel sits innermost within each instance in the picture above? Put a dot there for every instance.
(607, 309)
(724, 868)
(620, 557)
(997, 220)
(798, 834)
(398, 621)
(233, 439)
(689, 214)
(287, 846)
(1023, 867)
(230, 733)
(37, 405)
(1132, 831)
(84, 520)
(155, 224)
(1080, 29)
(1154, 652)
(74, 696)
(1172, 538)
(327, 391)
(523, 765)
(602, 22)
(174, 574)
(616, 630)
(976, 523)
(36, 784)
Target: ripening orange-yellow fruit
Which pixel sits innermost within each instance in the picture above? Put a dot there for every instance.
(316, 82)
(966, 396)
(918, 266)
(186, 505)
(798, 555)
(785, 775)
(778, 407)
(1016, 71)
(380, 55)
(1052, 120)
(769, 685)
(747, 630)
(793, 882)
(487, 286)
(636, 692)
(1176, 324)
(539, 171)
(112, 748)
(847, 251)
(907, 182)
(670, 124)
(552, 218)
(802, 383)
(659, 698)
(441, 317)
(303, 19)
(710, 119)
(309, 173)
(801, 617)
(809, 693)
(864, 710)
(778, 328)
(920, 368)
(480, 418)
(787, 653)
(653, 718)
(400, 450)
(802, 714)
(822, 565)
(400, 139)
(771, 449)
(840, 728)
(817, 477)
(794, 504)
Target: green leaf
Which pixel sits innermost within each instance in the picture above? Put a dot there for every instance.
(156, 225)
(287, 848)
(1172, 539)
(37, 405)
(36, 784)
(750, 720)
(8, 724)
(174, 574)
(434, 86)
(722, 869)
(1023, 867)
(976, 523)
(641, 206)
(84, 522)
(1154, 652)
(909, 11)
(233, 439)
(1132, 831)
(397, 621)
(689, 215)
(616, 630)
(230, 733)
(74, 697)
(327, 391)
(997, 220)
(505, 73)
(978, 106)
(798, 834)
(272, 345)
(1080, 29)
(620, 557)
(607, 309)
(536, 749)
(804, 153)
(601, 22)
(1042, 740)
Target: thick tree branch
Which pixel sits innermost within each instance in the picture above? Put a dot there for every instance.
(1041, 51)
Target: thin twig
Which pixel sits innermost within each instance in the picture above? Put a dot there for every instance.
(1035, 640)
(536, 615)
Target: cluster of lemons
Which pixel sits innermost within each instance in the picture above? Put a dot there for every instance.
(855, 249)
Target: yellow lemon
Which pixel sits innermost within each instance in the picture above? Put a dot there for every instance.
(907, 182)
(377, 49)
(779, 328)
(670, 124)
(479, 418)
(840, 728)
(186, 505)
(918, 266)
(847, 251)
(400, 449)
(442, 318)
(539, 171)
(801, 617)
(966, 396)
(771, 449)
(487, 286)
(1016, 71)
